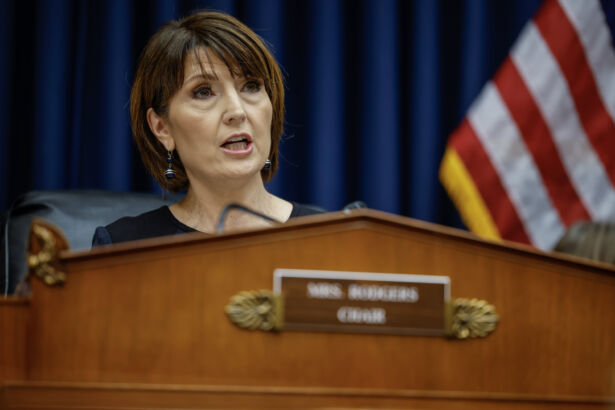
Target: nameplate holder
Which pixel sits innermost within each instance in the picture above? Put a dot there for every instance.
(360, 302)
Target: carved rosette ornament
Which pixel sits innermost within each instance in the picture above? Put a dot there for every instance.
(470, 318)
(256, 310)
(45, 243)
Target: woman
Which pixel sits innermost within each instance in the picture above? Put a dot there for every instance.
(207, 109)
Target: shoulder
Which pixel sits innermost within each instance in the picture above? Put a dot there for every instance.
(304, 210)
(158, 222)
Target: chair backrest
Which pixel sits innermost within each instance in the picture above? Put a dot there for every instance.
(593, 240)
(76, 212)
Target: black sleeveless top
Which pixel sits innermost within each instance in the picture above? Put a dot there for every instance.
(160, 222)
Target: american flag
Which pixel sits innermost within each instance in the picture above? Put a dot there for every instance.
(536, 150)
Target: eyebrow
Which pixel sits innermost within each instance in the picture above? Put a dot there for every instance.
(206, 77)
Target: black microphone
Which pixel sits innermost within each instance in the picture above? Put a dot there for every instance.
(354, 205)
(233, 205)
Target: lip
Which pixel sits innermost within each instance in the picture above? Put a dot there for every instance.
(238, 153)
(238, 135)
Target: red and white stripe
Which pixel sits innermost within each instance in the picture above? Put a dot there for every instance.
(502, 140)
(596, 41)
(546, 124)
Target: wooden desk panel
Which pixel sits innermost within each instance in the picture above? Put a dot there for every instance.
(152, 314)
(14, 314)
(73, 396)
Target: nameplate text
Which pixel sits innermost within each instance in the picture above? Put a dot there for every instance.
(338, 301)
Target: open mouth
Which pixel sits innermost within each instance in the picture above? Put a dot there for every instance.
(238, 143)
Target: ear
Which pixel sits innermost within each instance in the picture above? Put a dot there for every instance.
(160, 128)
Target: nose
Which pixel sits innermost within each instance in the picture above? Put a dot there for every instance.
(234, 111)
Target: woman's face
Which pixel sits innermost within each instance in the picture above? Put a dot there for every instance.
(219, 124)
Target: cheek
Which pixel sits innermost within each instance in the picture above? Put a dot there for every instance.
(268, 115)
(193, 129)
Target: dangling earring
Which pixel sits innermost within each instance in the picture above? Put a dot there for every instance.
(170, 172)
(267, 164)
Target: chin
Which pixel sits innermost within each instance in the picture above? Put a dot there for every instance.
(243, 172)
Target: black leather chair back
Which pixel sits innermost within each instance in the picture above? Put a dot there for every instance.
(76, 212)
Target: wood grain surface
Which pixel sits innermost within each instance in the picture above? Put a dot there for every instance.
(135, 396)
(14, 313)
(152, 314)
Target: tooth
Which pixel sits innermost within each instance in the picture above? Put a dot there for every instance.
(237, 146)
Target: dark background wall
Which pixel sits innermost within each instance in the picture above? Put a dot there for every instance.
(374, 88)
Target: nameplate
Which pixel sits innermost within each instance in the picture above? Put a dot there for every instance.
(335, 301)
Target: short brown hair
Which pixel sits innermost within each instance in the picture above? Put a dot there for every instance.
(160, 75)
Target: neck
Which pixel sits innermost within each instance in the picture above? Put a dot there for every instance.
(201, 207)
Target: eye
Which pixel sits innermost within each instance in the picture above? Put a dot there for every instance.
(253, 86)
(202, 92)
